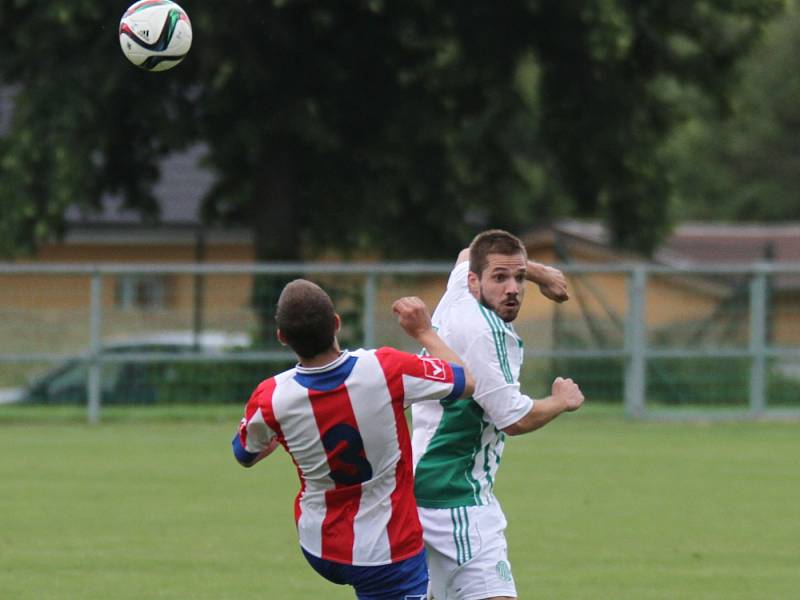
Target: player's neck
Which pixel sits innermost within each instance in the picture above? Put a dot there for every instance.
(322, 359)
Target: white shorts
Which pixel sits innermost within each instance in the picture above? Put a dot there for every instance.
(467, 552)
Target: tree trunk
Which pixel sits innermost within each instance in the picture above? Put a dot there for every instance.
(273, 216)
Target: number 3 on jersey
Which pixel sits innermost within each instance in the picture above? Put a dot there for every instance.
(346, 456)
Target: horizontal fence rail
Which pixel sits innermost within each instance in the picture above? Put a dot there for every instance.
(661, 339)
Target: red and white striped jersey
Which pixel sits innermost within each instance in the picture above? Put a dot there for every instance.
(344, 426)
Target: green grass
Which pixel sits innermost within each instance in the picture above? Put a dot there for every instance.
(152, 505)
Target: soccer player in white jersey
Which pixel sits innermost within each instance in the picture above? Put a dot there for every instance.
(458, 443)
(340, 416)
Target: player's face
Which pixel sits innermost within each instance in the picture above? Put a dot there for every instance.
(501, 286)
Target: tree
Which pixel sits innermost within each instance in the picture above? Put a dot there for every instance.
(397, 125)
(326, 127)
(609, 71)
(746, 164)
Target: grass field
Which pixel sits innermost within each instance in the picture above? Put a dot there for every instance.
(152, 505)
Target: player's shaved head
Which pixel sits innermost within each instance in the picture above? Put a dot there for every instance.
(493, 241)
(306, 318)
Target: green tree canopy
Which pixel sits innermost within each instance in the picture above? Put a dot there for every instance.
(402, 126)
(745, 165)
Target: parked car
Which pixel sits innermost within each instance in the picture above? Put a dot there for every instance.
(166, 380)
(11, 395)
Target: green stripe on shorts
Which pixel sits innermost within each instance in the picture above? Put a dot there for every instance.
(460, 518)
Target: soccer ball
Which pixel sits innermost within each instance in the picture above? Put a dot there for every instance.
(155, 35)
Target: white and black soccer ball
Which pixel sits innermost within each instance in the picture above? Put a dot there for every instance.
(155, 35)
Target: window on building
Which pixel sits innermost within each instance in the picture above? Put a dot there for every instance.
(147, 292)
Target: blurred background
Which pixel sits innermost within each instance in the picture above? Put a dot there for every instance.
(139, 212)
(648, 148)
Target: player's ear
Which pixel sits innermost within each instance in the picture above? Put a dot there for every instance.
(473, 283)
(281, 339)
(338, 323)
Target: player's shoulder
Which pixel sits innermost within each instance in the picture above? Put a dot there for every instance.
(381, 354)
(389, 354)
(267, 386)
(458, 276)
(368, 354)
(465, 314)
(285, 375)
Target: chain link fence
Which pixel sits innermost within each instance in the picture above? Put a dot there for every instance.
(666, 342)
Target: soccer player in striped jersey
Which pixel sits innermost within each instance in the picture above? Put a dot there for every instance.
(340, 416)
(458, 444)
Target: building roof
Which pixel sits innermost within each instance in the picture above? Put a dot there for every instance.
(179, 192)
(725, 242)
(692, 243)
(689, 244)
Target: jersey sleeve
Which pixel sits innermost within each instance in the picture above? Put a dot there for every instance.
(496, 391)
(457, 282)
(254, 435)
(414, 378)
(457, 288)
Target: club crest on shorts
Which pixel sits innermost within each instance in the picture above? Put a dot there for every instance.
(503, 570)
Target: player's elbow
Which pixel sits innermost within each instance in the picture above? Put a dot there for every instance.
(517, 428)
(240, 453)
(526, 424)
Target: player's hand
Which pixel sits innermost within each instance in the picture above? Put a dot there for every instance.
(413, 315)
(553, 284)
(569, 391)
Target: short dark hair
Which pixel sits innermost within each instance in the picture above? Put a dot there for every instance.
(306, 318)
(493, 241)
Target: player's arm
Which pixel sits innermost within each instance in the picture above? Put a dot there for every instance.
(254, 439)
(499, 394)
(552, 283)
(565, 396)
(414, 318)
(248, 459)
(463, 256)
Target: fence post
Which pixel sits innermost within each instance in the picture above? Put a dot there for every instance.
(636, 343)
(95, 331)
(758, 341)
(368, 318)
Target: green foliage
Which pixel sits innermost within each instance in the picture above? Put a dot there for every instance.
(782, 390)
(213, 383)
(602, 380)
(698, 382)
(747, 166)
(164, 383)
(607, 68)
(397, 126)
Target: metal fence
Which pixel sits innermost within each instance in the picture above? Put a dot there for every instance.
(710, 342)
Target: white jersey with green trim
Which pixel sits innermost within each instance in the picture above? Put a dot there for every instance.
(458, 444)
